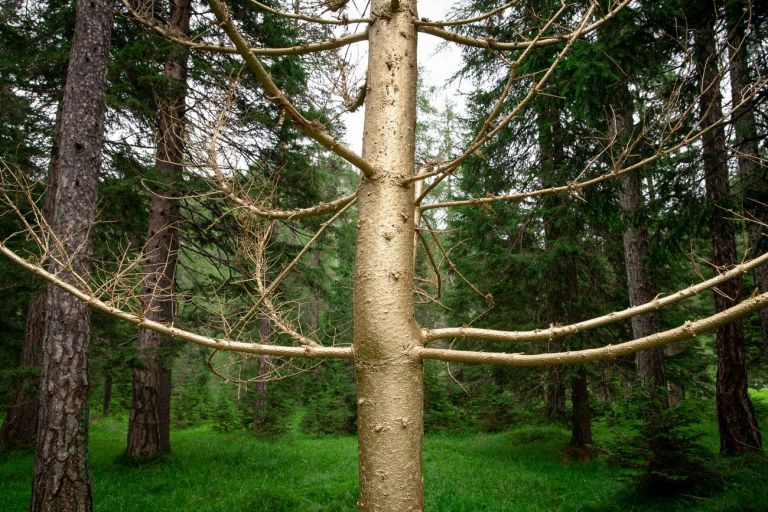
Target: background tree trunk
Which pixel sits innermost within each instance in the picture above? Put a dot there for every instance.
(149, 427)
(753, 172)
(106, 398)
(640, 285)
(739, 431)
(20, 419)
(581, 417)
(20, 422)
(555, 391)
(61, 477)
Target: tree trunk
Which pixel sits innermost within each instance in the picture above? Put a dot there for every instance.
(260, 404)
(739, 431)
(389, 373)
(581, 418)
(20, 421)
(61, 477)
(149, 426)
(21, 418)
(640, 285)
(106, 398)
(555, 389)
(753, 172)
(563, 286)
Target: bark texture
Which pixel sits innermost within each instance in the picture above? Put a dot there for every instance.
(61, 478)
(149, 425)
(640, 285)
(388, 368)
(20, 420)
(555, 392)
(739, 431)
(581, 419)
(753, 172)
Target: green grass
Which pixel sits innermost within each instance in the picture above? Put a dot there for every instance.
(523, 470)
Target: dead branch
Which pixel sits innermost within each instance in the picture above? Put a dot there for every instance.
(343, 20)
(174, 332)
(551, 333)
(466, 21)
(313, 129)
(686, 331)
(493, 44)
(576, 186)
(299, 49)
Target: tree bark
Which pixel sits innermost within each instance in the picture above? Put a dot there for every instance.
(388, 369)
(640, 285)
(149, 425)
(555, 390)
(753, 172)
(20, 421)
(106, 398)
(739, 431)
(61, 477)
(581, 417)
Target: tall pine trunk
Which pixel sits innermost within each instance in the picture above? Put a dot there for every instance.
(20, 420)
(753, 173)
(640, 285)
(149, 426)
(581, 417)
(389, 371)
(739, 431)
(61, 478)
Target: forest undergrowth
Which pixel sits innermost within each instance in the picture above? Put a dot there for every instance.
(523, 469)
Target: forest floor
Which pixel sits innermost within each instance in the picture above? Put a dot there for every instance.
(524, 469)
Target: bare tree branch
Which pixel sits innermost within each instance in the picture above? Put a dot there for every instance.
(492, 44)
(311, 19)
(551, 333)
(466, 21)
(266, 292)
(174, 332)
(576, 186)
(299, 49)
(313, 129)
(487, 131)
(686, 331)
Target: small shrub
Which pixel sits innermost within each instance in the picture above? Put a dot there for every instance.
(664, 445)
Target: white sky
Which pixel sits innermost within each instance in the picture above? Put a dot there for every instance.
(438, 67)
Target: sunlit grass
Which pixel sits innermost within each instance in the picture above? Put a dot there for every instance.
(524, 469)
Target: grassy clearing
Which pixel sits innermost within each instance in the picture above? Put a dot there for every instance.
(522, 470)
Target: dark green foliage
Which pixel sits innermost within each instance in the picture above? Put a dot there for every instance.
(226, 415)
(664, 444)
(330, 407)
(444, 410)
(192, 396)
